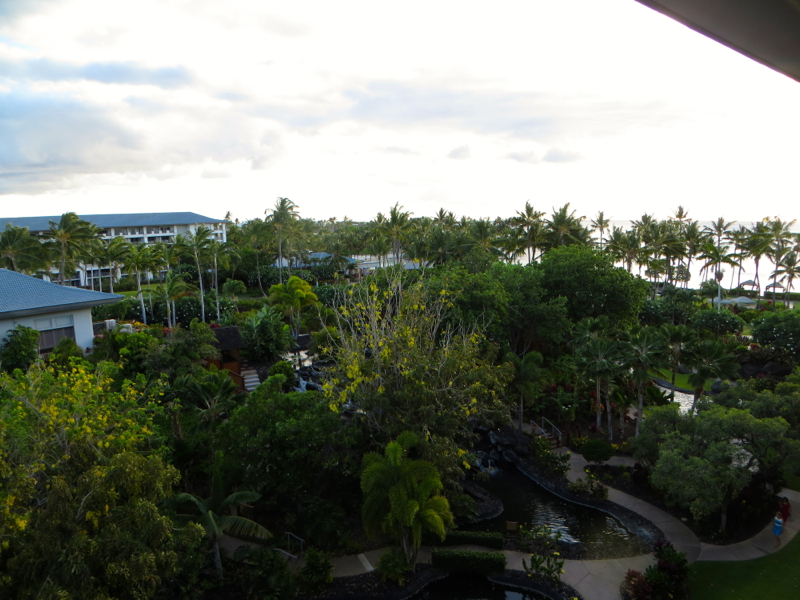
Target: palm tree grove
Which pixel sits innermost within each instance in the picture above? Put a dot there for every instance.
(340, 409)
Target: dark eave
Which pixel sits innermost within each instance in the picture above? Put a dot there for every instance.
(768, 31)
(42, 310)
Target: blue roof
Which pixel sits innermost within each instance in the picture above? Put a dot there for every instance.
(23, 295)
(116, 220)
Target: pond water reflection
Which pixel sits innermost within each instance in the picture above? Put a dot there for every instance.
(528, 503)
(463, 587)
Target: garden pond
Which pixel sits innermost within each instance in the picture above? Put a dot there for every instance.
(527, 503)
(463, 587)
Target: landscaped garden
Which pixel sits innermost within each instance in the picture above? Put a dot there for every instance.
(388, 411)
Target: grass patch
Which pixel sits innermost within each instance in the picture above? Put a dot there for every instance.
(773, 576)
(681, 379)
(133, 293)
(792, 482)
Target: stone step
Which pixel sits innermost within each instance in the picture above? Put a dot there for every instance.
(251, 380)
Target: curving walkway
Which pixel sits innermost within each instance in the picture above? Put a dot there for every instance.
(600, 579)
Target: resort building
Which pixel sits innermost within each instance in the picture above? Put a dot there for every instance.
(138, 228)
(54, 311)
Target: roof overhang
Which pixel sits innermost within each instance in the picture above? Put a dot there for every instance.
(43, 310)
(768, 31)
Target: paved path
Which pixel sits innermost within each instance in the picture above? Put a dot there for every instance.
(600, 579)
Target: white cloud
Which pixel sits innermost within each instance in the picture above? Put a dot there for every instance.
(460, 153)
(173, 105)
(557, 155)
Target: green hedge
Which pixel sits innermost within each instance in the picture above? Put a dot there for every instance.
(469, 561)
(490, 539)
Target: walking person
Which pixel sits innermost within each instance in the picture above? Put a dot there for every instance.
(777, 528)
(786, 509)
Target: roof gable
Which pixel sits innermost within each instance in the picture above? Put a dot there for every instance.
(23, 295)
(115, 220)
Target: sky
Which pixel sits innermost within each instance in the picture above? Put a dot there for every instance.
(349, 107)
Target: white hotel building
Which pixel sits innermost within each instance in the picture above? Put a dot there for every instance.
(139, 228)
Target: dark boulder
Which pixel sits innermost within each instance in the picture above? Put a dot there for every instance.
(749, 370)
(776, 369)
(510, 456)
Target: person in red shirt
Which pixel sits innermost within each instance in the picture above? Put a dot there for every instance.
(786, 509)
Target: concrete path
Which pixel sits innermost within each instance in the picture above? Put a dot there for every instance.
(600, 579)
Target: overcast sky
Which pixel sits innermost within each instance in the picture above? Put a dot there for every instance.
(349, 107)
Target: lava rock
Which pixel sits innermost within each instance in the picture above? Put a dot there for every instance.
(776, 369)
(749, 370)
(494, 455)
(493, 438)
(510, 456)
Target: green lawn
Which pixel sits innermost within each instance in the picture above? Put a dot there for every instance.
(792, 482)
(774, 576)
(134, 292)
(681, 380)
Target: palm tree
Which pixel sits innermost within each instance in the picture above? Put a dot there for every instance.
(283, 216)
(756, 246)
(564, 228)
(396, 228)
(19, 250)
(715, 257)
(719, 229)
(197, 245)
(138, 259)
(214, 520)
(597, 359)
(677, 339)
(644, 352)
(526, 377)
(780, 236)
(221, 254)
(693, 239)
(70, 234)
(174, 287)
(789, 270)
(530, 224)
(292, 297)
(709, 359)
(600, 223)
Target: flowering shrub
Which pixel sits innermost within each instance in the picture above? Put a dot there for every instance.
(590, 487)
(552, 462)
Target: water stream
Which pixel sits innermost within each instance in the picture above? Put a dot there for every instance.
(528, 503)
(462, 587)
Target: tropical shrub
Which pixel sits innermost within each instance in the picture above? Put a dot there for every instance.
(393, 566)
(666, 580)
(545, 567)
(781, 330)
(317, 572)
(589, 487)
(265, 335)
(718, 322)
(286, 369)
(19, 349)
(597, 451)
(490, 539)
(545, 458)
(474, 562)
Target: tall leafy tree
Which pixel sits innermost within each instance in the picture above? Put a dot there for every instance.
(281, 220)
(19, 250)
(70, 234)
(598, 359)
(292, 298)
(197, 244)
(644, 352)
(710, 359)
(401, 496)
(525, 384)
(214, 515)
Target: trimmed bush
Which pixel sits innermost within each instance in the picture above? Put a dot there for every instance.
(597, 451)
(393, 566)
(477, 562)
(490, 539)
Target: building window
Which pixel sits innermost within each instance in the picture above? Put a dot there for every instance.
(52, 330)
